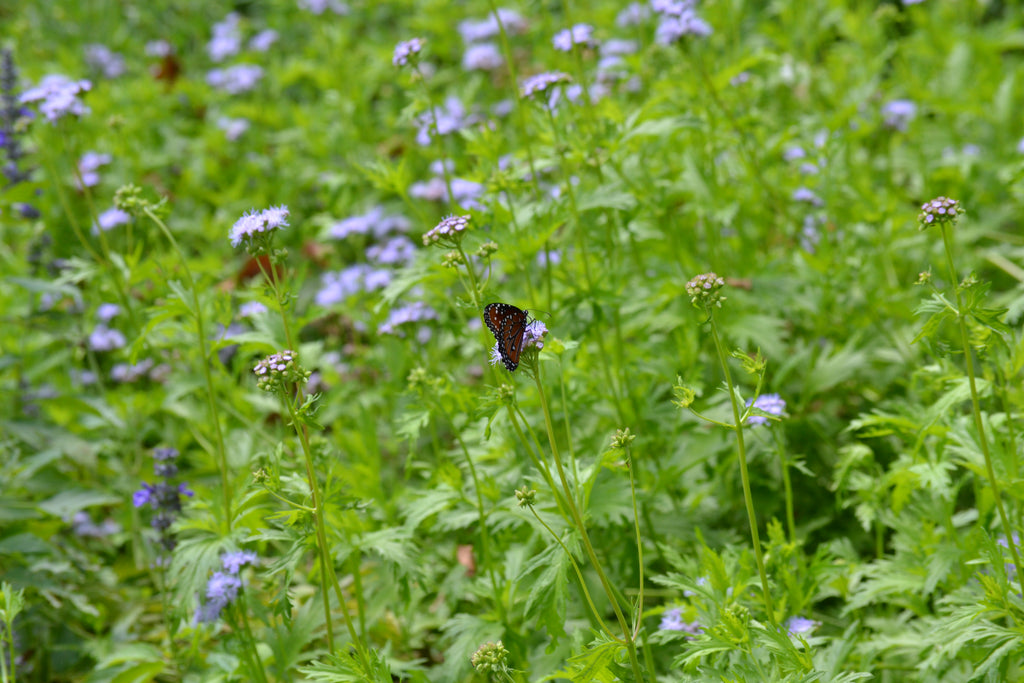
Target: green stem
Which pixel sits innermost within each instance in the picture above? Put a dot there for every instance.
(744, 476)
(787, 485)
(979, 424)
(250, 641)
(222, 460)
(578, 521)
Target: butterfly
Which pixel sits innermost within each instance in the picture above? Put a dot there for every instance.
(508, 325)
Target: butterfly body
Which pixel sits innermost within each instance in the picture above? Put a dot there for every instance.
(508, 325)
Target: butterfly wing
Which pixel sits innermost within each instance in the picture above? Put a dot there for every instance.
(508, 325)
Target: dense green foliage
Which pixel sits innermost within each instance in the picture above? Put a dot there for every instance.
(816, 478)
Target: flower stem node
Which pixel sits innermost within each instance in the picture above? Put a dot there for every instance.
(490, 657)
(129, 199)
(704, 291)
(487, 249)
(452, 259)
(939, 211)
(526, 496)
(276, 372)
(622, 438)
(684, 395)
(507, 394)
(924, 277)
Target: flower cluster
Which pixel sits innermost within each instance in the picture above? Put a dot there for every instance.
(278, 371)
(104, 60)
(407, 51)
(222, 588)
(898, 114)
(464, 192)
(339, 285)
(540, 83)
(415, 312)
(233, 128)
(10, 114)
(88, 169)
(580, 34)
(473, 31)
(58, 96)
(800, 625)
(672, 620)
(255, 229)
(448, 232)
(704, 290)
(772, 404)
(678, 18)
(490, 657)
(939, 211)
(164, 497)
(110, 219)
(235, 79)
(226, 40)
(374, 222)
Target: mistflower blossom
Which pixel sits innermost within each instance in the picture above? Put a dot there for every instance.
(772, 404)
(407, 51)
(1011, 568)
(580, 34)
(126, 374)
(449, 230)
(1020, 146)
(279, 370)
(899, 113)
(338, 286)
(233, 128)
(633, 14)
(103, 338)
(107, 312)
(740, 78)
(672, 620)
(104, 60)
(110, 219)
(374, 222)
(221, 590)
(264, 40)
(802, 194)
(159, 48)
(226, 40)
(701, 581)
(672, 28)
(793, 153)
(939, 211)
(59, 95)
(672, 7)
(318, 7)
(236, 79)
(540, 83)
(801, 625)
(88, 165)
(553, 256)
(410, 313)
(810, 234)
(251, 309)
(704, 289)
(446, 120)
(233, 562)
(482, 57)
(398, 250)
(163, 497)
(254, 227)
(533, 338)
(485, 29)
(83, 526)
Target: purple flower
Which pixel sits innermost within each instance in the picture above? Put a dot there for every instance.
(672, 28)
(899, 113)
(580, 34)
(251, 309)
(164, 497)
(83, 525)
(482, 57)
(540, 83)
(318, 7)
(1011, 568)
(221, 590)
(263, 41)
(374, 221)
(800, 625)
(226, 40)
(233, 128)
(403, 315)
(449, 119)
(407, 51)
(59, 95)
(398, 250)
(533, 335)
(125, 373)
(485, 29)
(793, 153)
(104, 60)
(253, 225)
(107, 312)
(159, 48)
(103, 339)
(110, 219)
(1020, 146)
(88, 165)
(143, 495)
(802, 194)
(672, 620)
(233, 562)
(235, 79)
(769, 403)
(449, 228)
(633, 14)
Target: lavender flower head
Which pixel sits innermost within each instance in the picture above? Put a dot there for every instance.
(264, 40)
(769, 403)
(255, 229)
(59, 97)
(672, 28)
(318, 7)
(164, 497)
(672, 620)
(482, 57)
(540, 83)
(899, 113)
(448, 232)
(800, 625)
(88, 167)
(110, 219)
(407, 51)
(233, 128)
(939, 211)
(104, 60)
(580, 34)
(236, 79)
(226, 40)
